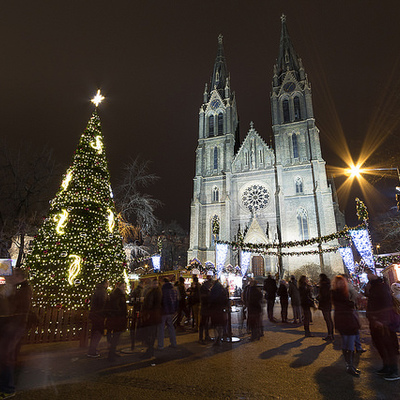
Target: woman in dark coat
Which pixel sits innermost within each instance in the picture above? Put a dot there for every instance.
(346, 321)
(284, 299)
(117, 317)
(325, 304)
(306, 302)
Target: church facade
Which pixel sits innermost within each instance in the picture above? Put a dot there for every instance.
(268, 193)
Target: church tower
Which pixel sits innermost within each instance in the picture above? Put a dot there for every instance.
(302, 191)
(268, 195)
(217, 142)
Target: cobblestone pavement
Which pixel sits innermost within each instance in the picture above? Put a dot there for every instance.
(282, 365)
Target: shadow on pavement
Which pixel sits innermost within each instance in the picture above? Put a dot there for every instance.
(307, 356)
(284, 349)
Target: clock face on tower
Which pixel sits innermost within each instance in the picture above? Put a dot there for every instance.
(255, 197)
(289, 87)
(215, 104)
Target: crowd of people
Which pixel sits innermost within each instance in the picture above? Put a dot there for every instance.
(159, 306)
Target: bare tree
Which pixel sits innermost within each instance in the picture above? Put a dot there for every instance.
(386, 231)
(27, 180)
(136, 209)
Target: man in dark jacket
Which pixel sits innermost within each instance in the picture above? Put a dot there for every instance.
(117, 318)
(382, 327)
(254, 306)
(270, 294)
(97, 316)
(284, 299)
(205, 312)
(219, 301)
(169, 306)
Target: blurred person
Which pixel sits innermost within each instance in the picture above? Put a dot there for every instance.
(306, 302)
(325, 304)
(182, 307)
(117, 320)
(169, 306)
(346, 321)
(151, 316)
(205, 312)
(295, 299)
(135, 300)
(284, 299)
(270, 294)
(254, 307)
(218, 301)
(97, 315)
(15, 303)
(383, 323)
(194, 300)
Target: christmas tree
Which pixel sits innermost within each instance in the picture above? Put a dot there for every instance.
(79, 243)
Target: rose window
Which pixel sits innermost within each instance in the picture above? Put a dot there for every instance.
(255, 197)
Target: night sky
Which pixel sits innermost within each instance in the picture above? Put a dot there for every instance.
(151, 60)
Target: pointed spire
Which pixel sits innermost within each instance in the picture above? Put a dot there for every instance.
(287, 59)
(220, 73)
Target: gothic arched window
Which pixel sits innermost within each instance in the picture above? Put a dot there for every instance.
(295, 147)
(211, 125)
(220, 124)
(297, 111)
(299, 185)
(286, 112)
(215, 194)
(246, 158)
(261, 156)
(215, 158)
(302, 221)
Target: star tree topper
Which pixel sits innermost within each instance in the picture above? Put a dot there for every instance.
(97, 99)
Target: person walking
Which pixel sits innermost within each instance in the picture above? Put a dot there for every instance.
(346, 321)
(295, 299)
(383, 323)
(169, 306)
(270, 294)
(205, 313)
(194, 299)
(116, 322)
(306, 302)
(219, 301)
(135, 300)
(284, 299)
(97, 316)
(325, 304)
(254, 308)
(182, 307)
(151, 316)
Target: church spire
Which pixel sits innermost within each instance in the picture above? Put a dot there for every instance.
(287, 59)
(220, 73)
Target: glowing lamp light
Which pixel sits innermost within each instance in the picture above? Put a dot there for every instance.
(156, 260)
(97, 144)
(74, 268)
(66, 180)
(97, 99)
(111, 220)
(61, 220)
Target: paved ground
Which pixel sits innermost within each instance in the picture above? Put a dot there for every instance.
(282, 365)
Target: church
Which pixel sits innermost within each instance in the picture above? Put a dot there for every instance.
(266, 193)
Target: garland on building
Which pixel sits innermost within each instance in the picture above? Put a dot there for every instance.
(261, 247)
(300, 253)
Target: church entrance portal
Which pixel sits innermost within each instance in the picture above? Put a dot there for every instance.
(257, 266)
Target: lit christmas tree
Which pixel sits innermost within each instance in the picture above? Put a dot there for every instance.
(79, 243)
